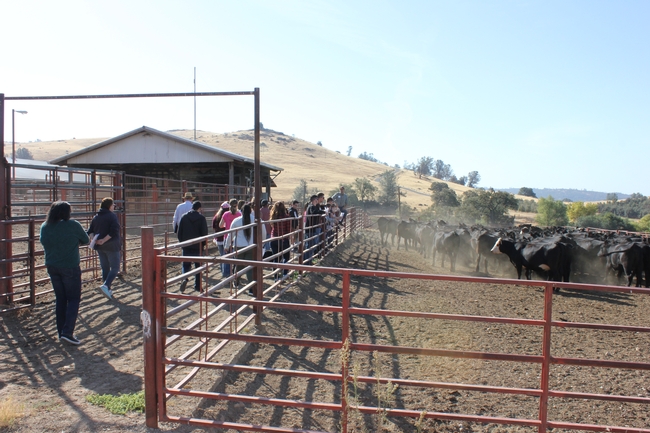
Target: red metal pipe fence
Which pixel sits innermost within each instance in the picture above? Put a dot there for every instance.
(193, 341)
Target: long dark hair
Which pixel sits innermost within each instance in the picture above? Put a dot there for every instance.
(246, 220)
(279, 211)
(60, 210)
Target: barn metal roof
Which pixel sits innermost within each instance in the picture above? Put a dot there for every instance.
(152, 152)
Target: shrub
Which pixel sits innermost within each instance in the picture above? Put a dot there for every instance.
(119, 404)
(607, 221)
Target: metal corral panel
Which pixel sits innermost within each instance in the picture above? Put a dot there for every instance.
(146, 148)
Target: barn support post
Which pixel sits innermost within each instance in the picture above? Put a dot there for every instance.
(259, 270)
(148, 330)
(546, 357)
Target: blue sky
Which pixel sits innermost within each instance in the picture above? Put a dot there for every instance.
(544, 94)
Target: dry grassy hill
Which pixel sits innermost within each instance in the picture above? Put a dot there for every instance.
(322, 168)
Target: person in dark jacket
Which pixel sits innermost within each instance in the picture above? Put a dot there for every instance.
(61, 237)
(192, 225)
(104, 231)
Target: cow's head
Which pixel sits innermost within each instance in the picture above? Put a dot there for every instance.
(496, 249)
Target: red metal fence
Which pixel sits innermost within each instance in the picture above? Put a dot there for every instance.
(140, 201)
(186, 333)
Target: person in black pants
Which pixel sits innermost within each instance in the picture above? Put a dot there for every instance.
(192, 225)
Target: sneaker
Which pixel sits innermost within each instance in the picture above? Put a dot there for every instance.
(183, 286)
(104, 290)
(70, 340)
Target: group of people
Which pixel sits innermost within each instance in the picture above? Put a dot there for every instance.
(61, 236)
(279, 221)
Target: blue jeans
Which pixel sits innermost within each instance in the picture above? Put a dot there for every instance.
(110, 264)
(187, 266)
(66, 283)
(225, 267)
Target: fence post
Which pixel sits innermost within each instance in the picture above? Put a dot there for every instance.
(546, 356)
(32, 261)
(148, 319)
(301, 239)
(345, 357)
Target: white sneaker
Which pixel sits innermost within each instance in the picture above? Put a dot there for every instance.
(104, 290)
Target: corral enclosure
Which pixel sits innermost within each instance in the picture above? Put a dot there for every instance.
(442, 297)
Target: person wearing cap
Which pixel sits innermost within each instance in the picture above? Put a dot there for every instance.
(219, 238)
(182, 209)
(341, 199)
(191, 226)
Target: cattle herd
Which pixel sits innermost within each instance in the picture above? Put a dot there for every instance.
(554, 253)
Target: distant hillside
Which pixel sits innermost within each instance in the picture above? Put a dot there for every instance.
(571, 194)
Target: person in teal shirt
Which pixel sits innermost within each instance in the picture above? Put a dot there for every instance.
(61, 237)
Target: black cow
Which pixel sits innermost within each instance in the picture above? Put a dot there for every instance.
(387, 226)
(482, 243)
(447, 244)
(624, 259)
(546, 257)
(425, 234)
(406, 231)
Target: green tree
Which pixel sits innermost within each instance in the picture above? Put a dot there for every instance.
(551, 212)
(579, 209)
(365, 189)
(368, 157)
(424, 165)
(300, 192)
(644, 224)
(446, 197)
(473, 178)
(389, 188)
(611, 197)
(527, 206)
(607, 221)
(24, 153)
(528, 192)
(441, 170)
(488, 206)
(349, 150)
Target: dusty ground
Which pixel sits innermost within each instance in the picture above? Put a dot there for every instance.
(51, 381)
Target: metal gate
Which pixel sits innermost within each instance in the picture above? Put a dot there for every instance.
(184, 333)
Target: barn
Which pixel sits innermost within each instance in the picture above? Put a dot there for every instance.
(149, 152)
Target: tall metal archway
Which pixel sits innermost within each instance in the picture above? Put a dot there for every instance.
(5, 168)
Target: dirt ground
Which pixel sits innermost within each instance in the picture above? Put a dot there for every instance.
(51, 381)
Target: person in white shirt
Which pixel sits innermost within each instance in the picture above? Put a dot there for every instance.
(182, 209)
(241, 239)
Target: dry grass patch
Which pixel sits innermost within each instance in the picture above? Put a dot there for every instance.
(10, 411)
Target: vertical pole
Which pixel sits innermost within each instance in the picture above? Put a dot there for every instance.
(259, 270)
(546, 357)
(13, 144)
(195, 103)
(148, 319)
(32, 261)
(399, 202)
(5, 191)
(301, 239)
(345, 340)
